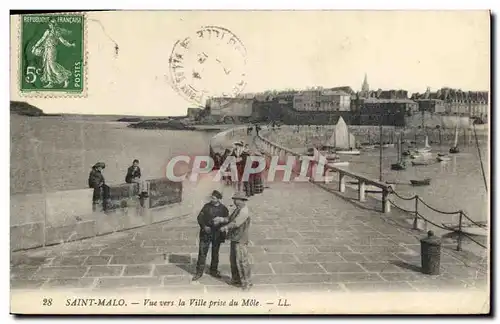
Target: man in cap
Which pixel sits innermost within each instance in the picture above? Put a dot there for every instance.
(210, 234)
(96, 181)
(237, 226)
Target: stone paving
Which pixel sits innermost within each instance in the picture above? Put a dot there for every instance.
(302, 239)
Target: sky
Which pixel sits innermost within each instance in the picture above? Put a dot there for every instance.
(409, 50)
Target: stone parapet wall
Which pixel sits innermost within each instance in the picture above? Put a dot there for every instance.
(63, 216)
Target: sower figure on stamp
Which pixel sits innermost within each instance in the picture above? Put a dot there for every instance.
(210, 234)
(237, 227)
(46, 47)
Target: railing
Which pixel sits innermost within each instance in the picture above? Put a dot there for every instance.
(385, 189)
(458, 228)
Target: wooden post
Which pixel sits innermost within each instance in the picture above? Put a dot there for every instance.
(341, 181)
(361, 190)
(386, 204)
(380, 153)
(459, 239)
(415, 220)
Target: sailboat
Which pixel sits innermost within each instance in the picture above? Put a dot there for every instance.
(341, 139)
(454, 149)
(401, 164)
(427, 148)
(351, 151)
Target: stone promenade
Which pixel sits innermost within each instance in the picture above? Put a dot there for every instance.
(302, 239)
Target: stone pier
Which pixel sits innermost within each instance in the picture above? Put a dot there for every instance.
(302, 238)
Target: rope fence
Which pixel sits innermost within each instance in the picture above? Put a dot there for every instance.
(458, 229)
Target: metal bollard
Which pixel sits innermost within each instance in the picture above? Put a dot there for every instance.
(430, 248)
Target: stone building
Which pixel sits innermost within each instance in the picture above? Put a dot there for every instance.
(458, 102)
(322, 100)
(374, 111)
(239, 107)
(435, 106)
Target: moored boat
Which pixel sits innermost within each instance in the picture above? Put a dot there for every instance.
(398, 166)
(423, 182)
(349, 152)
(421, 155)
(443, 158)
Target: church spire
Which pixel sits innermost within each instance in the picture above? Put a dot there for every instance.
(365, 87)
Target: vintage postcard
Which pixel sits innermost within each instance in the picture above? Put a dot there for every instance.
(250, 162)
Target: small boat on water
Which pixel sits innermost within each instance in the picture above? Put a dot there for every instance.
(443, 158)
(423, 182)
(454, 149)
(421, 155)
(342, 142)
(331, 158)
(442, 154)
(398, 166)
(369, 147)
(348, 152)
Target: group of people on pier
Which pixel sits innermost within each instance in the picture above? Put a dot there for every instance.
(97, 182)
(241, 152)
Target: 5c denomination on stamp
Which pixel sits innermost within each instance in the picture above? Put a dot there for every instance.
(52, 54)
(210, 63)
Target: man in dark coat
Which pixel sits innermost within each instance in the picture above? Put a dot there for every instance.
(134, 176)
(133, 173)
(97, 182)
(210, 234)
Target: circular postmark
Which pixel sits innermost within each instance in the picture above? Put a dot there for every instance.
(210, 64)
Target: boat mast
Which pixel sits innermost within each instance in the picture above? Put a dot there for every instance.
(480, 158)
(456, 136)
(380, 140)
(399, 149)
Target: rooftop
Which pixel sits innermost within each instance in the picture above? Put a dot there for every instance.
(375, 100)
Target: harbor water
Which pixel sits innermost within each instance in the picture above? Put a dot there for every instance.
(455, 185)
(57, 153)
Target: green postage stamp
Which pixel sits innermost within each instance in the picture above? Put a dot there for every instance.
(52, 54)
